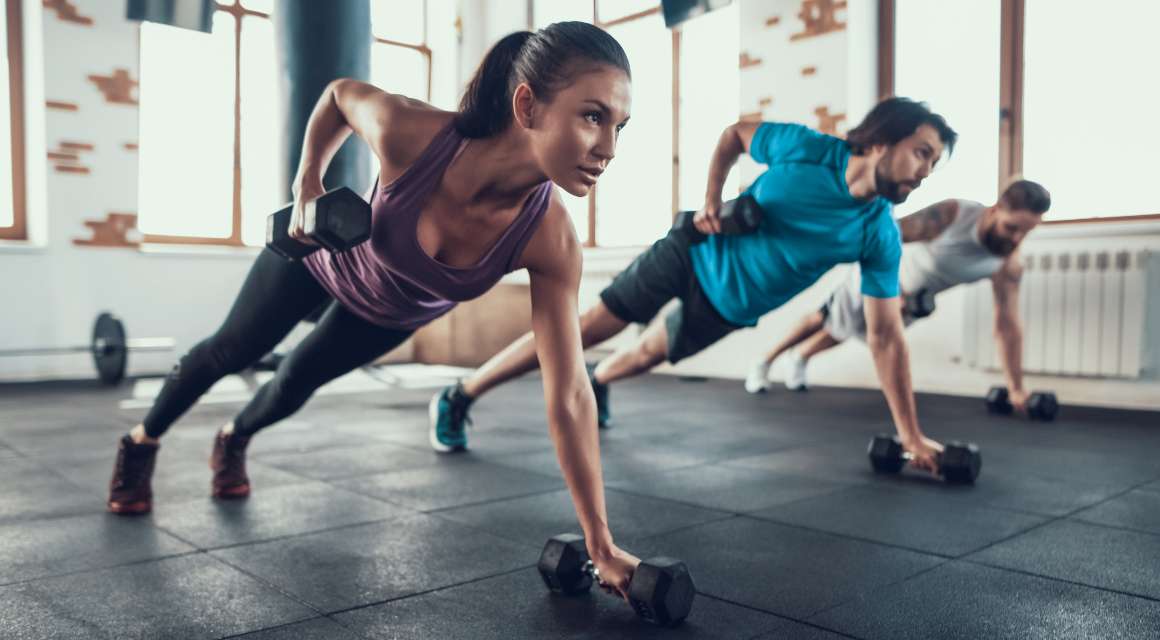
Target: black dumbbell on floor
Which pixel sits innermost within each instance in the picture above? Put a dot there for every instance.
(959, 463)
(661, 590)
(738, 217)
(1041, 405)
(337, 220)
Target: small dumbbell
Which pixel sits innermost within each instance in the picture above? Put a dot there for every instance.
(337, 220)
(919, 304)
(1041, 405)
(959, 463)
(661, 589)
(738, 217)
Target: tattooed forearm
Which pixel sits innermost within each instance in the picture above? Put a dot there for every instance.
(928, 223)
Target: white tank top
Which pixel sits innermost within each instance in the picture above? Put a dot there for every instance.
(956, 256)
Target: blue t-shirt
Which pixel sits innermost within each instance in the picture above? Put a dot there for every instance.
(810, 223)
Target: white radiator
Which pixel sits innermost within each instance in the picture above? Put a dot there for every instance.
(1083, 312)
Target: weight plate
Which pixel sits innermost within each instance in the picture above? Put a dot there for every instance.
(108, 348)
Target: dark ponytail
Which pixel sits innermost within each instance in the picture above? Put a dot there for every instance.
(547, 60)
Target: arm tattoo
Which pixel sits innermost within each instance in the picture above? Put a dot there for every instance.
(928, 223)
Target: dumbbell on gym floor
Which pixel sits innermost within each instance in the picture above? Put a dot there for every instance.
(959, 463)
(919, 304)
(109, 347)
(1041, 405)
(738, 217)
(337, 220)
(661, 589)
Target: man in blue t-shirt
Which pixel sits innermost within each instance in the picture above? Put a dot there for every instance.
(824, 200)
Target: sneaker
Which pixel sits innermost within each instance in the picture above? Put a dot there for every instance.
(228, 462)
(131, 489)
(795, 372)
(603, 410)
(449, 419)
(758, 379)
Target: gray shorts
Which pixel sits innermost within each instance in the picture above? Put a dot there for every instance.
(844, 311)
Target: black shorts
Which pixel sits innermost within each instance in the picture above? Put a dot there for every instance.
(663, 272)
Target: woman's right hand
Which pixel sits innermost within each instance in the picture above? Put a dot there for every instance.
(925, 453)
(304, 191)
(616, 568)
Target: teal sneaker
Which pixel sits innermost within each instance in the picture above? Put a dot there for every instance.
(449, 420)
(603, 410)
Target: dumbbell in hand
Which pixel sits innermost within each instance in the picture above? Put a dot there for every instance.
(1041, 405)
(661, 590)
(738, 217)
(337, 220)
(919, 304)
(959, 463)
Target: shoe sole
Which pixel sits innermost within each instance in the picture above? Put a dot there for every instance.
(432, 420)
(232, 493)
(129, 508)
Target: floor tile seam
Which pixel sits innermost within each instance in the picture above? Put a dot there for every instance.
(271, 585)
(367, 605)
(773, 614)
(893, 583)
(118, 565)
(847, 536)
(1115, 527)
(442, 515)
(639, 494)
(1076, 583)
(493, 500)
(282, 625)
(302, 534)
(1052, 520)
(685, 527)
(346, 476)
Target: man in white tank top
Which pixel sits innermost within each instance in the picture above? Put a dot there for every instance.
(952, 242)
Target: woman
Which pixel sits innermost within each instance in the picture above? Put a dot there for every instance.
(462, 198)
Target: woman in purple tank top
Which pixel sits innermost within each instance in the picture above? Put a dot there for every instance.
(462, 198)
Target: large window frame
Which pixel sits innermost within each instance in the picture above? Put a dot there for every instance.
(14, 16)
(1011, 79)
(239, 12)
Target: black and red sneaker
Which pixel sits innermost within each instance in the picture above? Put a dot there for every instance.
(228, 462)
(131, 488)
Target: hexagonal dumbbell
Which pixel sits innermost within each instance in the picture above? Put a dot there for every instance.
(661, 590)
(739, 216)
(959, 463)
(337, 220)
(919, 304)
(1041, 405)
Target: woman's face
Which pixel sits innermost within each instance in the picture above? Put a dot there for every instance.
(574, 135)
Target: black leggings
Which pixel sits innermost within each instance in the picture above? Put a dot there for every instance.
(275, 296)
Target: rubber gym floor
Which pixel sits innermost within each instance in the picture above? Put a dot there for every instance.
(356, 529)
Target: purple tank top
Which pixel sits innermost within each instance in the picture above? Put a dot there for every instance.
(390, 280)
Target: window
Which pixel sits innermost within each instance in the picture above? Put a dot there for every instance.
(1089, 94)
(210, 126)
(12, 214)
(634, 202)
(400, 59)
(1035, 88)
(663, 155)
(953, 70)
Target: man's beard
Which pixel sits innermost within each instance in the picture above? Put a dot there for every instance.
(996, 244)
(889, 189)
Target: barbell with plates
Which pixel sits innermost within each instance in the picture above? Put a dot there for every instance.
(109, 347)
